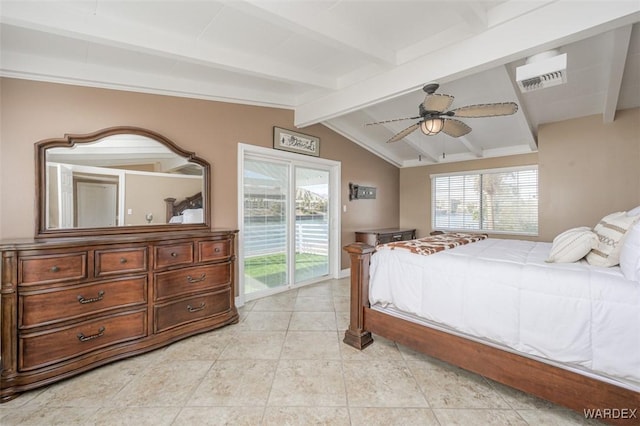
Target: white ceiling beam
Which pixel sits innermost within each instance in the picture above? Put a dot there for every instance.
(474, 20)
(532, 134)
(80, 24)
(564, 21)
(473, 14)
(619, 49)
(15, 65)
(512, 9)
(421, 150)
(470, 146)
(411, 139)
(359, 137)
(318, 26)
(438, 41)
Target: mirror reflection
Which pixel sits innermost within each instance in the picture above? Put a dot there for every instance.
(121, 180)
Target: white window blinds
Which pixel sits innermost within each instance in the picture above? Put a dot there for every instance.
(494, 200)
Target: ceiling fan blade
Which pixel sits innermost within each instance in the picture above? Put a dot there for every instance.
(486, 110)
(393, 120)
(455, 128)
(404, 133)
(437, 102)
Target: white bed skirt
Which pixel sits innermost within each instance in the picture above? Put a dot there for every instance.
(503, 293)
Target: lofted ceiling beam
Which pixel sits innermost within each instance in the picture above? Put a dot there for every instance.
(565, 22)
(81, 24)
(470, 146)
(356, 134)
(532, 134)
(473, 14)
(619, 49)
(15, 65)
(422, 150)
(318, 26)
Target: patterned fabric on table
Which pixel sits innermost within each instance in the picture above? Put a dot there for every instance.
(434, 243)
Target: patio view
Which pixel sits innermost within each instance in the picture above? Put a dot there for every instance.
(266, 227)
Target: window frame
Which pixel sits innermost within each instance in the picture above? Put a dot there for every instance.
(483, 172)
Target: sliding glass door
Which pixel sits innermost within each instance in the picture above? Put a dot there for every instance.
(311, 224)
(286, 223)
(266, 202)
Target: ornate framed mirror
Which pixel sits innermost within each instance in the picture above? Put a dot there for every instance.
(119, 180)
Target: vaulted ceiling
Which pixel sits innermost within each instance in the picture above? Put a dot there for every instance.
(343, 63)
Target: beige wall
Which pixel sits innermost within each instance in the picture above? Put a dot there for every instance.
(32, 111)
(146, 193)
(587, 169)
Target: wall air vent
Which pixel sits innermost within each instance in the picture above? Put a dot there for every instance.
(543, 70)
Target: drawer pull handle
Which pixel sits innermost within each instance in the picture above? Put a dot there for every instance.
(82, 300)
(192, 309)
(174, 254)
(217, 250)
(54, 269)
(84, 338)
(196, 280)
(123, 260)
(397, 237)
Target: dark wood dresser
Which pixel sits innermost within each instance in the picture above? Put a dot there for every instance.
(381, 236)
(69, 305)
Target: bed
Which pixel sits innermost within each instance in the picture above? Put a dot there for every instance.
(188, 210)
(477, 305)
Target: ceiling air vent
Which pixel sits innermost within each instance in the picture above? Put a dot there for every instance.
(543, 70)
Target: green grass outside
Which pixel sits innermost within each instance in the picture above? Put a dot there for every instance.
(270, 269)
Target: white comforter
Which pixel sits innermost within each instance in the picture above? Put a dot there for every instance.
(503, 290)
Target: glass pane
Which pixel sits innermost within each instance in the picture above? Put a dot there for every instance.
(265, 225)
(457, 202)
(510, 201)
(312, 224)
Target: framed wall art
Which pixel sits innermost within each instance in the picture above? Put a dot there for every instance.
(288, 140)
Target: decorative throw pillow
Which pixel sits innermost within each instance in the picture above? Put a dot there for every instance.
(572, 245)
(192, 216)
(630, 254)
(611, 231)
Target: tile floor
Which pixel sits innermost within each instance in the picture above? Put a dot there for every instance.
(284, 363)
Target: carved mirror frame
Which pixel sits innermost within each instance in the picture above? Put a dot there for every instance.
(69, 141)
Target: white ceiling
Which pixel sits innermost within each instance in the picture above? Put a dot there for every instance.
(342, 63)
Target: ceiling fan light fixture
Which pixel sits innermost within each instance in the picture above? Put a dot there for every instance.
(432, 126)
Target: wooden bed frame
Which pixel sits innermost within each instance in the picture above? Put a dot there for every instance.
(173, 209)
(554, 384)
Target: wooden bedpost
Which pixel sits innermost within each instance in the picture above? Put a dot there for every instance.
(169, 207)
(360, 255)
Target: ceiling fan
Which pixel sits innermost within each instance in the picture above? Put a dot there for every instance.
(434, 117)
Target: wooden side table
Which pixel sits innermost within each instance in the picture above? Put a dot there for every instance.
(374, 237)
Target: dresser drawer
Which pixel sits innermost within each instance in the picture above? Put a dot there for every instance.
(52, 268)
(41, 349)
(53, 306)
(191, 280)
(174, 254)
(192, 309)
(214, 250)
(120, 261)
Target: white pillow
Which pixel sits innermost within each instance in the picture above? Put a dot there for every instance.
(611, 231)
(572, 245)
(634, 212)
(630, 254)
(192, 216)
(176, 219)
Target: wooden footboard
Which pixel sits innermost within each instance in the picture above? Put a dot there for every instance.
(617, 405)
